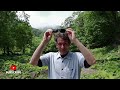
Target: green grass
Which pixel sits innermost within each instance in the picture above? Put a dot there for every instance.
(107, 64)
(28, 71)
(107, 53)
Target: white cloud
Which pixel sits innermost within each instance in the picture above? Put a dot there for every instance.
(47, 18)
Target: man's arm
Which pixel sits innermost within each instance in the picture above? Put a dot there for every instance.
(36, 55)
(86, 53)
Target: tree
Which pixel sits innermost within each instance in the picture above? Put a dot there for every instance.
(7, 19)
(23, 35)
(10, 33)
(97, 28)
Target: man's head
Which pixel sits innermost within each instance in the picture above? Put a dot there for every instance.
(62, 42)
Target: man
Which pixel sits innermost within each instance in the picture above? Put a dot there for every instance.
(63, 64)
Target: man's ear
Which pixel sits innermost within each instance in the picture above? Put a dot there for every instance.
(56, 46)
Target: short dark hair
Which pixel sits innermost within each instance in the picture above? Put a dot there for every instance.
(64, 36)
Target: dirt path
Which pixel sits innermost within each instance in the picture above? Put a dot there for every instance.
(88, 71)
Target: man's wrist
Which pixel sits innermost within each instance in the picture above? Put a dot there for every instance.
(75, 41)
(44, 42)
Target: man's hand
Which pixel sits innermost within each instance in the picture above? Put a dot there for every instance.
(47, 35)
(86, 53)
(71, 34)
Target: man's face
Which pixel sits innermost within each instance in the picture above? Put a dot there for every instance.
(62, 45)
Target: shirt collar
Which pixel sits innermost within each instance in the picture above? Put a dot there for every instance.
(68, 56)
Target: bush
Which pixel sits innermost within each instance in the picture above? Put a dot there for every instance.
(28, 71)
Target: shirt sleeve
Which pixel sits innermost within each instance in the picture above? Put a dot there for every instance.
(45, 59)
(39, 63)
(81, 59)
(86, 65)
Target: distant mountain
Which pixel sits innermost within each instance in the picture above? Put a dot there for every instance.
(47, 27)
(36, 32)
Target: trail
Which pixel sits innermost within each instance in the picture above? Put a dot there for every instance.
(88, 71)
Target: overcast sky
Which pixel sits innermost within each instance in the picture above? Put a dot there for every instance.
(47, 18)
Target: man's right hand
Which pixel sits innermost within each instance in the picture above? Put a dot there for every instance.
(47, 35)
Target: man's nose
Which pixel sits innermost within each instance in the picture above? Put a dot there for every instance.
(62, 46)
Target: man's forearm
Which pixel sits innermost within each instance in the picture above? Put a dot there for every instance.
(37, 53)
(86, 53)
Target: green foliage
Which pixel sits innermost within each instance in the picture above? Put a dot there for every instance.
(36, 32)
(97, 28)
(104, 70)
(15, 33)
(51, 47)
(35, 42)
(106, 53)
(73, 48)
(23, 35)
(27, 71)
(7, 21)
(98, 75)
(18, 58)
(107, 64)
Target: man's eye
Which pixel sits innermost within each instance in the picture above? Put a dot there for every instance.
(62, 44)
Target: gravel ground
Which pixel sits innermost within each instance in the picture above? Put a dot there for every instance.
(88, 71)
